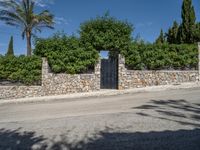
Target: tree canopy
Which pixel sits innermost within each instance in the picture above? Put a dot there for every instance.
(106, 33)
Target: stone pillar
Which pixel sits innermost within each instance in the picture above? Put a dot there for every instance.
(45, 70)
(121, 72)
(199, 59)
(98, 74)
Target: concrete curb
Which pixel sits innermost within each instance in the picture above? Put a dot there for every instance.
(102, 93)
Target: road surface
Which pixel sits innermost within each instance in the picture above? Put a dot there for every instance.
(167, 120)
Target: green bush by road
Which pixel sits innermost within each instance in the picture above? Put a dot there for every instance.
(66, 54)
(164, 56)
(26, 70)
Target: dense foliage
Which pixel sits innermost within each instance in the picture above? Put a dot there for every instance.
(106, 33)
(22, 69)
(66, 54)
(78, 55)
(157, 57)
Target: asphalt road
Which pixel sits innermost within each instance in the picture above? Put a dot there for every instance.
(166, 120)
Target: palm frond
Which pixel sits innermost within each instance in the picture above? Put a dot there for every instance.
(12, 24)
(9, 4)
(6, 15)
(42, 20)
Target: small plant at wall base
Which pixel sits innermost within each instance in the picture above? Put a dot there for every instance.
(23, 69)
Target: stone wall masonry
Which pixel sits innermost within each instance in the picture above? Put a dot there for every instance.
(135, 78)
(55, 84)
(12, 92)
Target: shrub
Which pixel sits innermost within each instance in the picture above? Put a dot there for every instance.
(23, 69)
(106, 33)
(66, 54)
(164, 56)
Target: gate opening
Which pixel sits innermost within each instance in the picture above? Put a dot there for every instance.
(109, 70)
(104, 54)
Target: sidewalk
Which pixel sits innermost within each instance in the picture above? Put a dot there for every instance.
(102, 93)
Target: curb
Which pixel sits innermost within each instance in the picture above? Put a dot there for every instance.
(102, 93)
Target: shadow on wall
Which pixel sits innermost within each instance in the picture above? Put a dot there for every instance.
(179, 111)
(107, 140)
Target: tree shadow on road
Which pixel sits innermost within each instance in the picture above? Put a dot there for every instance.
(166, 140)
(18, 140)
(179, 111)
(106, 140)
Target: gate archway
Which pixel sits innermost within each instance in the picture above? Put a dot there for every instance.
(107, 33)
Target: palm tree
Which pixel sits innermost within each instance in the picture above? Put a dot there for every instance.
(21, 14)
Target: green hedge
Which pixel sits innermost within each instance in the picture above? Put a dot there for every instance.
(66, 54)
(26, 70)
(157, 57)
(106, 33)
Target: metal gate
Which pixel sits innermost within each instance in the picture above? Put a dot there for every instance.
(109, 73)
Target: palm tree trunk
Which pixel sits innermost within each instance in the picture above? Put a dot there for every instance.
(28, 37)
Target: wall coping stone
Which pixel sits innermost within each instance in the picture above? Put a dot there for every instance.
(168, 71)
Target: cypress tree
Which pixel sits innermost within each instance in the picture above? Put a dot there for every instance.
(186, 31)
(197, 33)
(10, 51)
(161, 38)
(172, 35)
(169, 36)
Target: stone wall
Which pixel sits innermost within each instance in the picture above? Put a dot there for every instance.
(11, 92)
(58, 84)
(135, 79)
(55, 84)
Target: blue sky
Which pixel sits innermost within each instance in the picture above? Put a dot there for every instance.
(147, 16)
